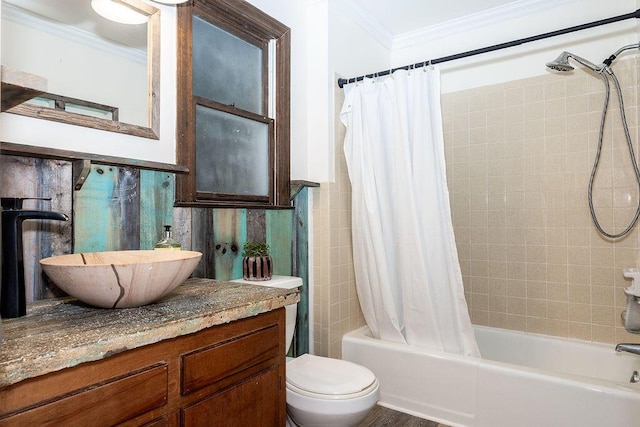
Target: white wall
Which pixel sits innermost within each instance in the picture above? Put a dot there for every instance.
(293, 13)
(526, 60)
(352, 50)
(44, 133)
(327, 43)
(323, 42)
(310, 104)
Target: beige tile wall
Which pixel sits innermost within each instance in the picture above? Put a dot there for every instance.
(336, 308)
(519, 157)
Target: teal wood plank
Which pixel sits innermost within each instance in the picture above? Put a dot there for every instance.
(107, 210)
(92, 220)
(279, 230)
(301, 269)
(229, 235)
(157, 191)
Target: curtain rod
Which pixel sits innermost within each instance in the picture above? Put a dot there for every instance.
(636, 14)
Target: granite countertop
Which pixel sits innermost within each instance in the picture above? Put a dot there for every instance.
(61, 333)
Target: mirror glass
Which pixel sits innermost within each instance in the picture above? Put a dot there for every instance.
(99, 73)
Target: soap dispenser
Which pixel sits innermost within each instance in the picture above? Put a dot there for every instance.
(168, 242)
(631, 316)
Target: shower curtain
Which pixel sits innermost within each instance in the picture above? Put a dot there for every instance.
(408, 275)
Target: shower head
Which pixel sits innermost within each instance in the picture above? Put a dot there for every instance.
(561, 63)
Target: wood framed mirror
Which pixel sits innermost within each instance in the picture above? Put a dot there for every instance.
(100, 74)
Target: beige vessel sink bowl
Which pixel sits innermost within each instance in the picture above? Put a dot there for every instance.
(120, 279)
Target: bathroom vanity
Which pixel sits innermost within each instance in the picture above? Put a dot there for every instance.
(210, 353)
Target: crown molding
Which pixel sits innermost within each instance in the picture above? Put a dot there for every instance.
(366, 20)
(20, 16)
(475, 20)
(484, 18)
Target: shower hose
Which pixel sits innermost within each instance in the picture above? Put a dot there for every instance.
(601, 72)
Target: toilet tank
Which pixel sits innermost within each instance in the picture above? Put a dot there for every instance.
(291, 311)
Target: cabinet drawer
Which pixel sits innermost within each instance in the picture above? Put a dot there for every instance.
(248, 404)
(106, 403)
(207, 365)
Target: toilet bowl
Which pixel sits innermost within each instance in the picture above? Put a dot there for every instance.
(322, 391)
(329, 392)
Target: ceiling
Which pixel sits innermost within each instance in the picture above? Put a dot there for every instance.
(404, 16)
(397, 24)
(387, 20)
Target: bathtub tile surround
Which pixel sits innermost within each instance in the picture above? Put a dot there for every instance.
(519, 156)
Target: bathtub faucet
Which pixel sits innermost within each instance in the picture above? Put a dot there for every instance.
(629, 347)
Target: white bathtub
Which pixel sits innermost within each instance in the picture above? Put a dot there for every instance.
(522, 380)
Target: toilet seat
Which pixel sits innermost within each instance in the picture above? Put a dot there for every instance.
(325, 378)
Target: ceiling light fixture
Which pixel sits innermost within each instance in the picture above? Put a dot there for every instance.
(118, 12)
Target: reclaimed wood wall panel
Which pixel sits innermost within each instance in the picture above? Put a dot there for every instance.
(256, 226)
(229, 235)
(202, 240)
(107, 210)
(156, 206)
(279, 227)
(182, 227)
(220, 234)
(50, 237)
(127, 199)
(125, 208)
(42, 178)
(301, 269)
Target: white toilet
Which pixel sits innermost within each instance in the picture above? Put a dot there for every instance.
(323, 391)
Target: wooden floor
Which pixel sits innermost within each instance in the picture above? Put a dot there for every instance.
(381, 416)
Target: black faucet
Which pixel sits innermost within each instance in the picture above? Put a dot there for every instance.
(12, 293)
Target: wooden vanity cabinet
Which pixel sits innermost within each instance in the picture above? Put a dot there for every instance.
(226, 375)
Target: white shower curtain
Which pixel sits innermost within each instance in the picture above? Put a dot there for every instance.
(406, 263)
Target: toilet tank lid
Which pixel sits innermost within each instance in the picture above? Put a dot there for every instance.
(284, 282)
(322, 375)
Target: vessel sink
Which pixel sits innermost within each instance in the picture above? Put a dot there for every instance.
(120, 279)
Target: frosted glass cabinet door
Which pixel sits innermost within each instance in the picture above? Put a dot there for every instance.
(232, 153)
(226, 69)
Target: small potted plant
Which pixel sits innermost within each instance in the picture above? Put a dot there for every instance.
(256, 264)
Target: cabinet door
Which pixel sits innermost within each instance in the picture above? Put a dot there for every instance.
(100, 404)
(251, 402)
